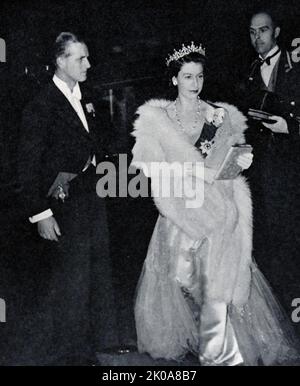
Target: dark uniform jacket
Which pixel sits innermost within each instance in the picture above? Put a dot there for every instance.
(274, 174)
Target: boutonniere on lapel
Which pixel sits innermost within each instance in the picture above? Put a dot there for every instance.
(90, 109)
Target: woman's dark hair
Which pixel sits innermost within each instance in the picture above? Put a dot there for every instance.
(176, 65)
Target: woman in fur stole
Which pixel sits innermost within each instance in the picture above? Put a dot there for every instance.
(200, 290)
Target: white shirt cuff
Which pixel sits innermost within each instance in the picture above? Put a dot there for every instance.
(41, 216)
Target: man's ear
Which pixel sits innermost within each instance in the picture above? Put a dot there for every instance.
(277, 32)
(60, 61)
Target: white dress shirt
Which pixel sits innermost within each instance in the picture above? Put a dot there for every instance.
(74, 98)
(267, 69)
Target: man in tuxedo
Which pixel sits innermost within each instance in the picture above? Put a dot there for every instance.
(273, 86)
(64, 267)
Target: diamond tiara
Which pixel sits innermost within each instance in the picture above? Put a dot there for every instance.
(185, 51)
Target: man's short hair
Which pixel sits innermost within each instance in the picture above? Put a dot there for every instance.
(63, 40)
(276, 22)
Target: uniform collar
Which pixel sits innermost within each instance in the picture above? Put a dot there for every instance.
(274, 58)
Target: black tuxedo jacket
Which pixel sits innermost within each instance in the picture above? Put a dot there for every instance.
(287, 91)
(53, 139)
(274, 182)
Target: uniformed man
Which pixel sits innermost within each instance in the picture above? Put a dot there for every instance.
(271, 95)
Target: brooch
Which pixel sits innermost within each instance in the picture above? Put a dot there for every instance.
(206, 146)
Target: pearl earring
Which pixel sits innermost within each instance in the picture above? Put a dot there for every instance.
(175, 82)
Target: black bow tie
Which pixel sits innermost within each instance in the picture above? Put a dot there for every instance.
(267, 60)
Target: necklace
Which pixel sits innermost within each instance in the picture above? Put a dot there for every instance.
(178, 118)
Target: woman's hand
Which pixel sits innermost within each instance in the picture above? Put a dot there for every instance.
(245, 160)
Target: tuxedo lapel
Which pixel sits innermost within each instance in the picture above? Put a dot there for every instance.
(255, 81)
(90, 117)
(67, 113)
(281, 75)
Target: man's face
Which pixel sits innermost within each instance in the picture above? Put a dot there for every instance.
(262, 33)
(74, 64)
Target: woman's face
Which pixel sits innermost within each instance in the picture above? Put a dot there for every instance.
(189, 80)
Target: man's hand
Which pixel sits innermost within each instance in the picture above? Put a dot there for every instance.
(245, 160)
(48, 229)
(280, 126)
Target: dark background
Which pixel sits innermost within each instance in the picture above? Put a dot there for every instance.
(128, 42)
(143, 30)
